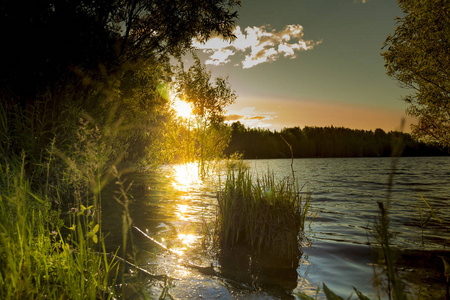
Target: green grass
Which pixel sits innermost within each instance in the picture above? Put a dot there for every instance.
(261, 214)
(36, 260)
(50, 217)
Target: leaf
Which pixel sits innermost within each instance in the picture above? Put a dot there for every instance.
(446, 267)
(95, 229)
(329, 294)
(420, 211)
(427, 220)
(36, 197)
(432, 210)
(66, 247)
(360, 295)
(95, 239)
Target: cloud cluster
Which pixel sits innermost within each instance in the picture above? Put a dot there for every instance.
(251, 118)
(258, 44)
(234, 117)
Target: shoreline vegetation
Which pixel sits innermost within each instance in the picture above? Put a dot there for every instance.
(95, 92)
(51, 240)
(312, 142)
(51, 236)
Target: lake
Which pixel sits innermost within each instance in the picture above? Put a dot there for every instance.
(175, 206)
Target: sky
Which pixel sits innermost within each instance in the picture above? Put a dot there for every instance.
(310, 63)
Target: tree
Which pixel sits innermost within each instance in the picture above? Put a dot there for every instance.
(48, 43)
(102, 58)
(208, 100)
(418, 56)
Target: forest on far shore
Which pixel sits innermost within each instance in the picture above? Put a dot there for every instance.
(325, 142)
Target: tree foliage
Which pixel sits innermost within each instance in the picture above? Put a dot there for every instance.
(418, 56)
(49, 43)
(208, 99)
(323, 142)
(102, 59)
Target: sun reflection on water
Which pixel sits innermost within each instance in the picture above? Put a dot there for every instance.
(181, 212)
(187, 239)
(186, 242)
(186, 176)
(185, 210)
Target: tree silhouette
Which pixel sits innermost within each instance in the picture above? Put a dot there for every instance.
(323, 142)
(103, 58)
(48, 44)
(418, 56)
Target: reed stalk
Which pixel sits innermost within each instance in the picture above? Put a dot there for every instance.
(37, 260)
(262, 214)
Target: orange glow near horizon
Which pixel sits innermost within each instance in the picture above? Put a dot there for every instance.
(284, 113)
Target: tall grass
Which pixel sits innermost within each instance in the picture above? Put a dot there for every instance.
(261, 214)
(50, 218)
(36, 260)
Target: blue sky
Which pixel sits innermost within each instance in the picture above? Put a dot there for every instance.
(310, 63)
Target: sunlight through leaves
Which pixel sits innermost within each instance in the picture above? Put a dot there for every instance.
(182, 108)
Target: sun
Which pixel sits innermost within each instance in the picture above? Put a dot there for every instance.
(182, 108)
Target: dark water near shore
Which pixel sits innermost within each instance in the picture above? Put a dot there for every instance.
(174, 206)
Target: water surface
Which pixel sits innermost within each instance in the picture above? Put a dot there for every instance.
(176, 207)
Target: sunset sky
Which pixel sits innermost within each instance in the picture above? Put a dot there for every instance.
(310, 63)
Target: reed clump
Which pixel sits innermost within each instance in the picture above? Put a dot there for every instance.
(263, 215)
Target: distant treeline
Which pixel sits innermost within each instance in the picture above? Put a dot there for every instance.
(325, 142)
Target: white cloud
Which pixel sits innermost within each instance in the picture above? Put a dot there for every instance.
(220, 57)
(257, 44)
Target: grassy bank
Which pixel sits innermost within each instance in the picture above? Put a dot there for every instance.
(37, 260)
(50, 242)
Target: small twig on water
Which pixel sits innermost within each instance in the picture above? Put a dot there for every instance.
(126, 262)
(205, 270)
(292, 158)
